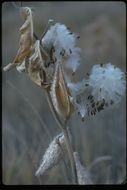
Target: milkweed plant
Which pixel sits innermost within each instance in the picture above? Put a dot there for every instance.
(47, 61)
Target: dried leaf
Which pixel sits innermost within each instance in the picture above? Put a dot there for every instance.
(60, 93)
(26, 39)
(34, 65)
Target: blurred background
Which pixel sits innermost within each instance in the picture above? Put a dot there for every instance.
(27, 123)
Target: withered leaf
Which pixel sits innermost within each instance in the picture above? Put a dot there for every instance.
(35, 65)
(60, 93)
(26, 39)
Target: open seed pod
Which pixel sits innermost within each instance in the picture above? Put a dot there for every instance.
(60, 93)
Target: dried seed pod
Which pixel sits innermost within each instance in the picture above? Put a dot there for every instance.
(26, 39)
(82, 172)
(60, 93)
(52, 155)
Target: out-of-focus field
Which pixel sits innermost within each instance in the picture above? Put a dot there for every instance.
(27, 123)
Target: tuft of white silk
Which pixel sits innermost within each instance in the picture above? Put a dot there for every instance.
(64, 43)
(107, 82)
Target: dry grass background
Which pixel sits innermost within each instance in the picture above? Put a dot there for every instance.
(27, 123)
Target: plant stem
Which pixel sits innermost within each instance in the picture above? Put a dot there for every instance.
(64, 129)
(70, 154)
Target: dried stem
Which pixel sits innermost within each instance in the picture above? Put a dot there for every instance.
(65, 171)
(50, 21)
(65, 131)
(70, 154)
(66, 136)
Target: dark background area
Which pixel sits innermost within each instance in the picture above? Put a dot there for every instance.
(27, 123)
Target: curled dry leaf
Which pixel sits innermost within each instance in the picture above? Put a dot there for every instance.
(60, 93)
(34, 65)
(26, 38)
